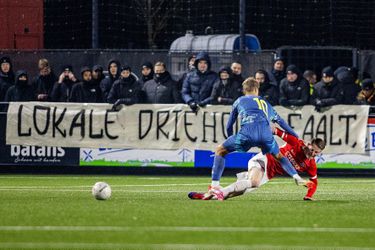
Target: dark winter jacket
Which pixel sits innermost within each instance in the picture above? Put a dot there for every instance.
(61, 91)
(44, 85)
(349, 87)
(327, 94)
(295, 93)
(106, 83)
(6, 79)
(277, 76)
(228, 92)
(197, 86)
(86, 92)
(269, 90)
(162, 89)
(20, 91)
(126, 90)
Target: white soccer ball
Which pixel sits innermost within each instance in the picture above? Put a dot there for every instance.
(101, 191)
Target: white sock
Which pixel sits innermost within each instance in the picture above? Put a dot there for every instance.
(238, 186)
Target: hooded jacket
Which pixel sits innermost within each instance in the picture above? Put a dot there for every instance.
(162, 89)
(6, 79)
(349, 87)
(197, 86)
(107, 82)
(61, 91)
(269, 90)
(228, 92)
(86, 91)
(327, 94)
(127, 90)
(21, 91)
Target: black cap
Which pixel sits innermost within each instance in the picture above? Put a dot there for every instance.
(5, 59)
(67, 68)
(147, 65)
(294, 69)
(367, 84)
(125, 67)
(327, 71)
(278, 58)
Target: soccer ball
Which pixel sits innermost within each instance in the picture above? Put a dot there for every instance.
(101, 191)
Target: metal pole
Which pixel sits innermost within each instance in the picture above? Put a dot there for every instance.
(242, 22)
(95, 25)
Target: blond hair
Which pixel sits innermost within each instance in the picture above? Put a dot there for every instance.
(250, 85)
(43, 63)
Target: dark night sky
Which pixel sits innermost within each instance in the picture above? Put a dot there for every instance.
(275, 22)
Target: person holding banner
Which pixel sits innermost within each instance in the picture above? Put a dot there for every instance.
(255, 115)
(262, 168)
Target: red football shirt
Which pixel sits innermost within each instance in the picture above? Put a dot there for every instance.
(293, 150)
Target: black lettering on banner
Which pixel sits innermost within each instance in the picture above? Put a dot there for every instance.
(150, 113)
(106, 123)
(186, 124)
(323, 132)
(223, 125)
(175, 138)
(80, 115)
(290, 118)
(19, 123)
(160, 125)
(91, 132)
(35, 119)
(55, 124)
(209, 126)
(347, 117)
(331, 142)
(309, 128)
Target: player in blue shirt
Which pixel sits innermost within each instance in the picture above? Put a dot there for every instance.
(255, 115)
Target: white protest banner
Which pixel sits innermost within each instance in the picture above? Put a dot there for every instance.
(168, 126)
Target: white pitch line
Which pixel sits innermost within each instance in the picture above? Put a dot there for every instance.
(187, 229)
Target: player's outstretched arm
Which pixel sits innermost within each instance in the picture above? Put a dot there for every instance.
(290, 139)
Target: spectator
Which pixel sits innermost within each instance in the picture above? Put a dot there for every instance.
(350, 89)
(197, 86)
(126, 90)
(310, 77)
(236, 68)
(22, 90)
(278, 73)
(6, 76)
(162, 88)
(190, 68)
(97, 75)
(113, 75)
(87, 90)
(328, 91)
(44, 81)
(367, 95)
(147, 73)
(226, 90)
(62, 89)
(267, 89)
(294, 89)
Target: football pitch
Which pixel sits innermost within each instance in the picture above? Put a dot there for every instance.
(59, 212)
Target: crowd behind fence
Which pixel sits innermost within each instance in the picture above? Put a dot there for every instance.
(60, 75)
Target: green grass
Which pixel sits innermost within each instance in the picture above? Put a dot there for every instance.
(58, 212)
(135, 163)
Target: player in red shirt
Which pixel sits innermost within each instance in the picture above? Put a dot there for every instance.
(263, 168)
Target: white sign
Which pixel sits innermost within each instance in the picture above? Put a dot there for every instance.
(168, 126)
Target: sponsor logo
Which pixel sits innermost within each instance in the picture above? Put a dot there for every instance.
(35, 154)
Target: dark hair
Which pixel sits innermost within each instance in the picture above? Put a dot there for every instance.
(319, 142)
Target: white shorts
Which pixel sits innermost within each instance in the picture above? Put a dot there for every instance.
(259, 161)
